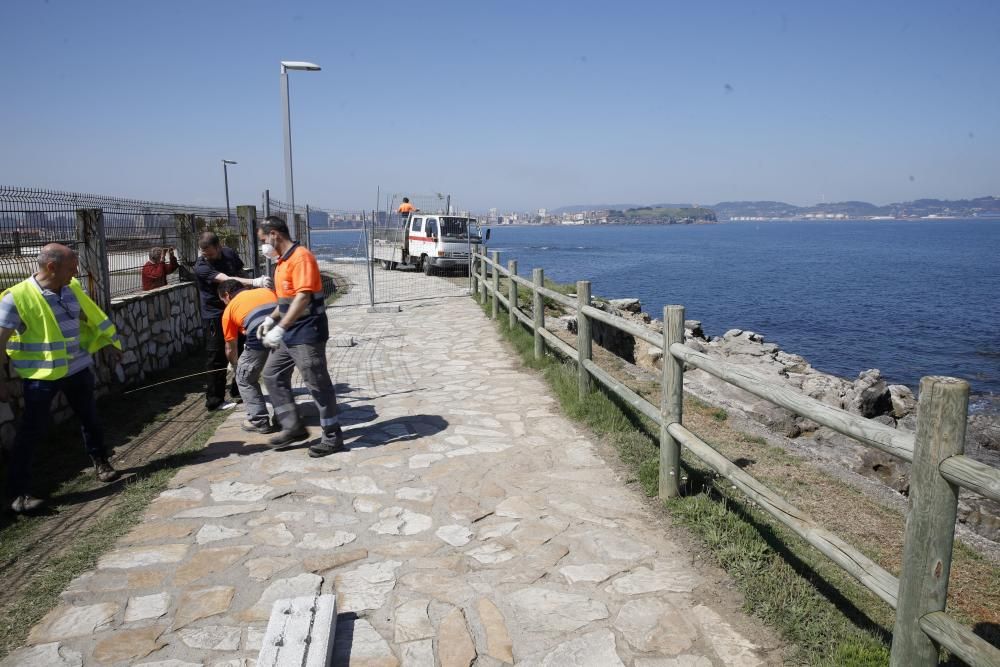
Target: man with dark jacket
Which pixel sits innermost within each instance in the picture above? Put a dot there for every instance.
(215, 265)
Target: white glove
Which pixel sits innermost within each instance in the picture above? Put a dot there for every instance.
(263, 281)
(273, 338)
(265, 326)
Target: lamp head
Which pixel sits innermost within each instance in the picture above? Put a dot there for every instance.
(229, 162)
(300, 65)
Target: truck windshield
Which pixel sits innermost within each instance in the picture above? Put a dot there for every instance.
(458, 228)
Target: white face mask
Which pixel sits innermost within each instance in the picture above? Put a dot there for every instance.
(269, 251)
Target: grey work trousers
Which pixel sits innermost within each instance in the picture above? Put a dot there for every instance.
(248, 369)
(310, 359)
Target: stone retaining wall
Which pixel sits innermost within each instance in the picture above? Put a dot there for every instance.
(156, 327)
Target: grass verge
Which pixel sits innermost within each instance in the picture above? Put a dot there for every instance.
(826, 614)
(137, 420)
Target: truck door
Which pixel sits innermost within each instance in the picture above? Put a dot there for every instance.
(414, 238)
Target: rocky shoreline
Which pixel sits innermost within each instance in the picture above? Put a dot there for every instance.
(869, 396)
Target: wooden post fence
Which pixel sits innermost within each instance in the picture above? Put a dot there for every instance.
(583, 342)
(930, 523)
(482, 280)
(93, 255)
(511, 293)
(496, 284)
(671, 402)
(538, 310)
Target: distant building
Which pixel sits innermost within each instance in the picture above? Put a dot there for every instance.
(542, 212)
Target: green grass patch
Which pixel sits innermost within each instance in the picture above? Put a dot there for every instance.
(829, 618)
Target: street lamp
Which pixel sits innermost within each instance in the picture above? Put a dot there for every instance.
(225, 176)
(289, 187)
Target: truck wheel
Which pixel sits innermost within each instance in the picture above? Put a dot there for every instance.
(386, 265)
(428, 267)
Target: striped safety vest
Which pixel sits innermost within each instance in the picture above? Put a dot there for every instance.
(41, 352)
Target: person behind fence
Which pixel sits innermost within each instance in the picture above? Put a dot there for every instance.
(156, 270)
(297, 332)
(49, 328)
(406, 208)
(215, 265)
(245, 312)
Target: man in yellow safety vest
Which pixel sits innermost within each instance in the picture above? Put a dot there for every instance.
(50, 328)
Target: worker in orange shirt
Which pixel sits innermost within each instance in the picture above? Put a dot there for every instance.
(406, 208)
(246, 309)
(296, 333)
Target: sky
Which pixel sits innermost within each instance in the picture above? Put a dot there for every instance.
(515, 105)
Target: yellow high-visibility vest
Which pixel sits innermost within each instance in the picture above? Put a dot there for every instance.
(42, 352)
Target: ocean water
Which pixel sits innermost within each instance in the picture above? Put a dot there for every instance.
(910, 298)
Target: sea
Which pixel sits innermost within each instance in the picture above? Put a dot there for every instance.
(910, 298)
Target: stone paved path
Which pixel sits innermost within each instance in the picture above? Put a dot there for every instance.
(469, 523)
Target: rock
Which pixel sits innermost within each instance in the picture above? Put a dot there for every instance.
(417, 654)
(261, 569)
(594, 649)
(326, 541)
(65, 622)
(358, 643)
(416, 495)
(869, 395)
(219, 511)
(400, 521)
(654, 625)
(132, 557)
(367, 587)
(147, 606)
(592, 573)
(209, 561)
(455, 535)
(303, 585)
(147, 532)
(412, 622)
(212, 637)
(274, 536)
(329, 561)
(693, 329)
(544, 610)
(127, 645)
(902, 399)
(239, 492)
(491, 553)
(498, 642)
(628, 305)
(664, 578)
(359, 485)
(731, 647)
(214, 533)
(202, 603)
(455, 645)
(779, 419)
(44, 655)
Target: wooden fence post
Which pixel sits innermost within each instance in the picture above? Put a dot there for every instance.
(538, 310)
(583, 343)
(482, 281)
(93, 255)
(474, 272)
(930, 524)
(512, 293)
(671, 402)
(496, 283)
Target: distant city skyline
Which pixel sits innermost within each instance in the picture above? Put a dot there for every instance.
(517, 107)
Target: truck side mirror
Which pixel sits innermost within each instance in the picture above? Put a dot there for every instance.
(487, 237)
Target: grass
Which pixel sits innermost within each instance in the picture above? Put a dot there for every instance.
(124, 421)
(826, 614)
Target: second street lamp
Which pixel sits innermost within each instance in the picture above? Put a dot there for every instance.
(287, 65)
(225, 176)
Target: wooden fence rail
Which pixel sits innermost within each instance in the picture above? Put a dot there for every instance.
(939, 466)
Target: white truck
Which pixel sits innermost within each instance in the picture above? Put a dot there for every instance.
(428, 241)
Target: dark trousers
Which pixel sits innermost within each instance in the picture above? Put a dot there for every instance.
(215, 360)
(38, 397)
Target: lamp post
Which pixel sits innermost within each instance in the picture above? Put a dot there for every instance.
(287, 65)
(225, 176)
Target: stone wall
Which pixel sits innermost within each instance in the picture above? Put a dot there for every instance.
(156, 327)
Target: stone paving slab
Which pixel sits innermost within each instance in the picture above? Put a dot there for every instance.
(469, 523)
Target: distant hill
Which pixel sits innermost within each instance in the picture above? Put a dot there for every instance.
(965, 208)
(662, 215)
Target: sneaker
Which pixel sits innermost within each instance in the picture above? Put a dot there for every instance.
(288, 438)
(213, 406)
(26, 504)
(105, 473)
(258, 427)
(326, 447)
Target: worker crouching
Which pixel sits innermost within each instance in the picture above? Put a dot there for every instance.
(246, 309)
(297, 332)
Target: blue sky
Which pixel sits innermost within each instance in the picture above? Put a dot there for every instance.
(511, 104)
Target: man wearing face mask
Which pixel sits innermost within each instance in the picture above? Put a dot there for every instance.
(215, 265)
(297, 332)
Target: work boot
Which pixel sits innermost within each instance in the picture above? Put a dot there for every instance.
(26, 504)
(288, 437)
(258, 427)
(105, 473)
(326, 447)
